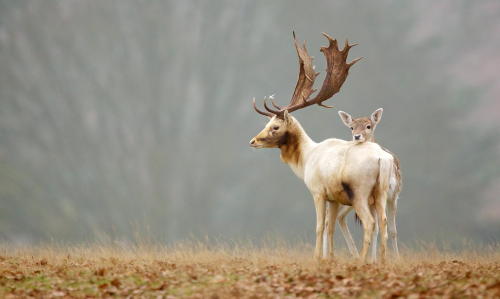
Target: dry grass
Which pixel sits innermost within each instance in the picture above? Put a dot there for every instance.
(202, 271)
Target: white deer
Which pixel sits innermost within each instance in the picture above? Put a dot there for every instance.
(363, 130)
(335, 171)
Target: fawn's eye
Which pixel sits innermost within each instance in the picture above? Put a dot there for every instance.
(276, 128)
(352, 128)
(368, 127)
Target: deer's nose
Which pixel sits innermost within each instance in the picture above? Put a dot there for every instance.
(357, 137)
(252, 142)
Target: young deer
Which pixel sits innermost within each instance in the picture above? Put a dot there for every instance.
(335, 171)
(363, 130)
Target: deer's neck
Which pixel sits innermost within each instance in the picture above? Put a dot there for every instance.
(295, 147)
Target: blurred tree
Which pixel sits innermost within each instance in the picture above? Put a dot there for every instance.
(135, 117)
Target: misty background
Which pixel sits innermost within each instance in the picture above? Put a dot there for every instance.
(124, 119)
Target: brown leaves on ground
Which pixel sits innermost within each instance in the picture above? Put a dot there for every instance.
(258, 273)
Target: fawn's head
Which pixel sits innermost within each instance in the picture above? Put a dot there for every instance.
(362, 128)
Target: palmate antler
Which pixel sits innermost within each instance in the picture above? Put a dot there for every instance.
(337, 70)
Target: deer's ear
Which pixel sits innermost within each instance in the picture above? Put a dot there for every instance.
(346, 118)
(377, 115)
(286, 117)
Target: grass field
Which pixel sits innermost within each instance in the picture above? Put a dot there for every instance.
(201, 271)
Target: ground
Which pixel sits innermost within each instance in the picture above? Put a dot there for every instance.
(200, 271)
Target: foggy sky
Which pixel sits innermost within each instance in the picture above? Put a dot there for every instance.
(131, 119)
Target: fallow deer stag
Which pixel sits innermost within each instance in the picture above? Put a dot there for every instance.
(363, 130)
(335, 171)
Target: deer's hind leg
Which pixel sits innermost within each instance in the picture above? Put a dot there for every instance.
(375, 234)
(351, 245)
(380, 206)
(333, 208)
(362, 208)
(392, 206)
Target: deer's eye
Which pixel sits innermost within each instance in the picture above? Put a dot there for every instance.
(352, 128)
(276, 128)
(368, 127)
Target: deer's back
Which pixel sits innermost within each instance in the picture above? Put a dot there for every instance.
(338, 168)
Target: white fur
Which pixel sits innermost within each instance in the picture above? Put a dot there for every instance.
(394, 188)
(325, 166)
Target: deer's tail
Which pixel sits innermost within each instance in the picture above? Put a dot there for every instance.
(385, 172)
(386, 169)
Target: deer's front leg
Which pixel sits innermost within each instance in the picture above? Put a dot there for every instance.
(332, 218)
(319, 204)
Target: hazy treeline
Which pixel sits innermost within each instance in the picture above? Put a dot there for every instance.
(133, 117)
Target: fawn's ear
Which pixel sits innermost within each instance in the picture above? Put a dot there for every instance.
(377, 115)
(346, 118)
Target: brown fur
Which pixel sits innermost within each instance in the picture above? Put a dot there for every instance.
(343, 193)
(359, 127)
(287, 138)
(348, 190)
(290, 148)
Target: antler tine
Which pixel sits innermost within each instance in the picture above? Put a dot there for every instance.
(307, 75)
(276, 105)
(346, 49)
(326, 106)
(261, 112)
(336, 73)
(269, 109)
(332, 42)
(354, 61)
(348, 46)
